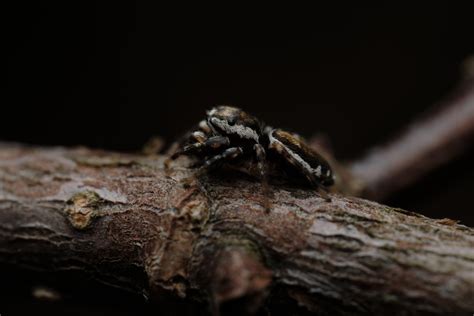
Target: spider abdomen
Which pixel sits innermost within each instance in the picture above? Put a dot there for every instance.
(300, 155)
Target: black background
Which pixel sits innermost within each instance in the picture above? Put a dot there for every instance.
(113, 75)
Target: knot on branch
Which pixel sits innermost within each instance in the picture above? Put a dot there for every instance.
(236, 278)
(82, 208)
(239, 273)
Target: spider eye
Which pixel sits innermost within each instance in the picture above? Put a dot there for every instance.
(231, 120)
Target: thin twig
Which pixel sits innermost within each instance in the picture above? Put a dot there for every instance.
(424, 146)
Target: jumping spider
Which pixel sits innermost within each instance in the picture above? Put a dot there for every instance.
(230, 134)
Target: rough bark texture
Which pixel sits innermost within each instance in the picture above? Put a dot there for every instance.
(128, 224)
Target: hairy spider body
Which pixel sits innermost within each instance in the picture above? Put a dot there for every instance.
(297, 153)
(229, 133)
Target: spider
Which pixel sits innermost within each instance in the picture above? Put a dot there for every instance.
(230, 134)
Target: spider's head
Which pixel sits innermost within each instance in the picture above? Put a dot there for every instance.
(232, 121)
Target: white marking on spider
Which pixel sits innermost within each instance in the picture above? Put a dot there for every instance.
(295, 156)
(242, 131)
(199, 136)
(317, 171)
(203, 125)
(212, 112)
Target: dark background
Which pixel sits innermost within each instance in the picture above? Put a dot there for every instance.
(112, 76)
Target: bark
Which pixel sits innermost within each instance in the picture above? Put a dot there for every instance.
(124, 221)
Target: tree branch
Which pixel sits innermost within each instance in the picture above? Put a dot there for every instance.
(121, 219)
(425, 145)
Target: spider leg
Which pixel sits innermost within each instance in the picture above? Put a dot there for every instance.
(323, 191)
(199, 134)
(261, 158)
(213, 142)
(261, 167)
(204, 127)
(298, 163)
(229, 153)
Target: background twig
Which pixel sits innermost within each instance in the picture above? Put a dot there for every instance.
(424, 146)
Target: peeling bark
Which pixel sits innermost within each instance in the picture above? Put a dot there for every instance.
(121, 219)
